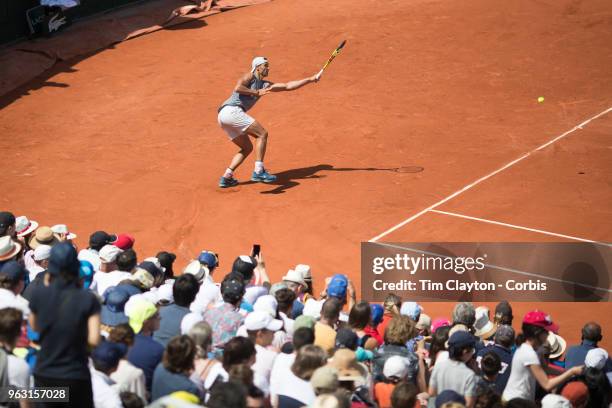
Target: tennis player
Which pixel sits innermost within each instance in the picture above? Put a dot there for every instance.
(238, 125)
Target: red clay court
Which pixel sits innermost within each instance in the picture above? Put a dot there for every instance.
(127, 139)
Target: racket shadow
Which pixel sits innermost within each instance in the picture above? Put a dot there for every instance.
(288, 179)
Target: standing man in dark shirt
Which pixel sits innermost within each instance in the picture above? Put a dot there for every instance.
(591, 335)
(67, 318)
(504, 339)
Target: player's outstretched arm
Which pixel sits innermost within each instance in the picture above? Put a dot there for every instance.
(292, 85)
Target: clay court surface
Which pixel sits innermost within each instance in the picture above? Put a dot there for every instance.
(127, 139)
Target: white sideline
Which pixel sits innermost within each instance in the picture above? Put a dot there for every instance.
(467, 217)
(486, 177)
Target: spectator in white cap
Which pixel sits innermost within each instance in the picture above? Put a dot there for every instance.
(108, 275)
(40, 258)
(395, 370)
(306, 273)
(261, 326)
(555, 401)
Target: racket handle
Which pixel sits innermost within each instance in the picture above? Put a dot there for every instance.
(319, 74)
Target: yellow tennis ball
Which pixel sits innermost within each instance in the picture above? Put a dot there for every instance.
(540, 99)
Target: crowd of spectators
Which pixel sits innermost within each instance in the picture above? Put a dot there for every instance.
(121, 330)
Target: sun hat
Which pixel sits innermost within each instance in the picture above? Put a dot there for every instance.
(190, 320)
(345, 361)
(109, 253)
(324, 378)
(62, 229)
(8, 248)
(112, 313)
(412, 310)
(294, 276)
(557, 345)
(257, 61)
(259, 320)
(396, 366)
(541, 319)
(138, 311)
(483, 327)
(24, 226)
(305, 271)
(196, 269)
(596, 358)
(43, 236)
(266, 303)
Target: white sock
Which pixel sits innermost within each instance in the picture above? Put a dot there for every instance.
(228, 173)
(259, 166)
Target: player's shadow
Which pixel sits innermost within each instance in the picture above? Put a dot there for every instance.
(288, 179)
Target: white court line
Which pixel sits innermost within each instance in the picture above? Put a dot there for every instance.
(488, 176)
(501, 268)
(467, 217)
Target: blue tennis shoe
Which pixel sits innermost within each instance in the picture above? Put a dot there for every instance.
(263, 176)
(227, 182)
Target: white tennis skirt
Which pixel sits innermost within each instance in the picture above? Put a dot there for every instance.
(234, 121)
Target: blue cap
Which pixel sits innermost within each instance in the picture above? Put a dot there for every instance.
(209, 259)
(86, 272)
(337, 286)
(449, 396)
(412, 310)
(462, 339)
(13, 270)
(108, 354)
(151, 268)
(64, 258)
(112, 313)
(377, 313)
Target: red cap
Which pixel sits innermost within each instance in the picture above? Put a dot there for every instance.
(124, 241)
(576, 392)
(541, 319)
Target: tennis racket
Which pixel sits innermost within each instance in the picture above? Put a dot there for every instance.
(334, 55)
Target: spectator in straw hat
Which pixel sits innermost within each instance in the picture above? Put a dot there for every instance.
(9, 249)
(557, 345)
(483, 327)
(12, 282)
(353, 376)
(504, 340)
(24, 228)
(306, 273)
(43, 236)
(68, 320)
(62, 232)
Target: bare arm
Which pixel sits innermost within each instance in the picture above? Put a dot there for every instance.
(243, 88)
(32, 321)
(93, 330)
(550, 383)
(292, 85)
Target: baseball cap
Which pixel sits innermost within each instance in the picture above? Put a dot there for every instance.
(259, 320)
(42, 252)
(595, 358)
(576, 392)
(100, 238)
(555, 401)
(232, 289)
(210, 259)
(64, 258)
(151, 268)
(541, 319)
(439, 322)
(449, 396)
(112, 313)
(377, 313)
(257, 61)
(346, 338)
(411, 309)
(244, 265)
(337, 286)
(108, 354)
(266, 303)
(325, 378)
(109, 253)
(14, 271)
(461, 339)
(124, 241)
(138, 309)
(396, 366)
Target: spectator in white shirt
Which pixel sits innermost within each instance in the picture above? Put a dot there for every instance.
(127, 377)
(109, 275)
(283, 361)
(261, 327)
(105, 359)
(97, 240)
(40, 261)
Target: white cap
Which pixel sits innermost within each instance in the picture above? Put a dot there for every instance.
(109, 253)
(312, 308)
(266, 303)
(596, 358)
(257, 61)
(42, 252)
(259, 320)
(190, 320)
(555, 401)
(304, 270)
(396, 366)
(165, 292)
(294, 276)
